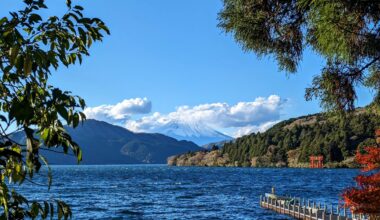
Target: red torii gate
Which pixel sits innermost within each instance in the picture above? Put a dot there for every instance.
(316, 161)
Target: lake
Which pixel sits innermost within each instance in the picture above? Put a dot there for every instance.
(162, 192)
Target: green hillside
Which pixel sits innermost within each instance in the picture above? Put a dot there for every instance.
(291, 142)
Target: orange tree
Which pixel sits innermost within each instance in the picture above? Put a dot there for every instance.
(31, 47)
(365, 198)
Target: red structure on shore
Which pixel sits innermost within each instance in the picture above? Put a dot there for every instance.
(316, 161)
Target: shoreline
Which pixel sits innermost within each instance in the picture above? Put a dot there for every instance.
(217, 159)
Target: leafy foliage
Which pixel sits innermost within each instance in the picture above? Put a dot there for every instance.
(365, 197)
(344, 32)
(30, 48)
(334, 137)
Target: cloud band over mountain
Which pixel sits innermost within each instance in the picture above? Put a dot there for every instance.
(242, 118)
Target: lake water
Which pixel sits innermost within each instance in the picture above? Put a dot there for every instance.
(162, 192)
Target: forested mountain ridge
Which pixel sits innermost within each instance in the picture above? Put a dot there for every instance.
(104, 143)
(291, 142)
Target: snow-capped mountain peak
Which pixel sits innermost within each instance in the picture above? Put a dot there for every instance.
(192, 131)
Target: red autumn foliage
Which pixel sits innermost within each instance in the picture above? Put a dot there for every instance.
(365, 198)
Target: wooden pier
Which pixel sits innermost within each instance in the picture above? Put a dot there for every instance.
(302, 209)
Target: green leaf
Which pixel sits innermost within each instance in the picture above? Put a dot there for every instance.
(105, 28)
(29, 145)
(3, 118)
(34, 210)
(50, 175)
(3, 20)
(79, 155)
(51, 210)
(89, 41)
(63, 112)
(45, 212)
(4, 199)
(68, 3)
(83, 35)
(75, 120)
(45, 134)
(13, 52)
(82, 103)
(78, 7)
(33, 18)
(27, 65)
(59, 210)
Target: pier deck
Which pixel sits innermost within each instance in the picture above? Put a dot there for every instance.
(300, 209)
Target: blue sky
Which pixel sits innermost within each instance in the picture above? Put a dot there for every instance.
(173, 53)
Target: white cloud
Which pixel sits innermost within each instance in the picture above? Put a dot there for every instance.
(254, 128)
(244, 116)
(120, 111)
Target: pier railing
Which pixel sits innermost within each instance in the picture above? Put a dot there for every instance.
(308, 210)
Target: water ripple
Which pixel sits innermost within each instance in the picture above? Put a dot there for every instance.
(161, 192)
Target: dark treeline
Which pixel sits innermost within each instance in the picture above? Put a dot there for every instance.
(336, 138)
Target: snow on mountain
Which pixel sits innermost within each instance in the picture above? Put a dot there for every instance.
(192, 131)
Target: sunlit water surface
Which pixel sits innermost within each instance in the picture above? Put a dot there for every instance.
(162, 192)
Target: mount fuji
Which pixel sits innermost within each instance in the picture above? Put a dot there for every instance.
(196, 132)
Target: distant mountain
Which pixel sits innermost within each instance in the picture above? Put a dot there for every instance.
(103, 143)
(192, 131)
(219, 144)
